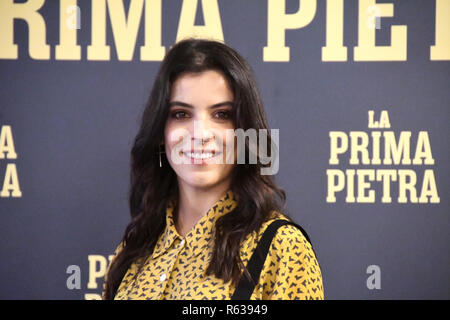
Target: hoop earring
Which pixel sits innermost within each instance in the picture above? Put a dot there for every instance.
(160, 163)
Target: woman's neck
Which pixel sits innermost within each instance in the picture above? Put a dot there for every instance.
(194, 203)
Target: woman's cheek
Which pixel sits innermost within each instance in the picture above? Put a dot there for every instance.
(175, 145)
(230, 147)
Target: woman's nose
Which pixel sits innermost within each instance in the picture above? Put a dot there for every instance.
(202, 132)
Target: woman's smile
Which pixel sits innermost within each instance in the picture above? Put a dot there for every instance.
(200, 156)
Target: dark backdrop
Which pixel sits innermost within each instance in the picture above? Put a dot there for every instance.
(72, 124)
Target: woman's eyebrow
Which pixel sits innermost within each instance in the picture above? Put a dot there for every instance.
(217, 105)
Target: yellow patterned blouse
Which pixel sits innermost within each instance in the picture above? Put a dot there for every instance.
(176, 269)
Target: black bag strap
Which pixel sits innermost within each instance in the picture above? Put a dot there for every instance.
(245, 287)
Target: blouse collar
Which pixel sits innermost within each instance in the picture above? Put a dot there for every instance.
(200, 237)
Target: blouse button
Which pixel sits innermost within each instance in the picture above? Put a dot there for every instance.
(163, 277)
(182, 243)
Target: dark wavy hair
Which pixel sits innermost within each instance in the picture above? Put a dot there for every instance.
(153, 186)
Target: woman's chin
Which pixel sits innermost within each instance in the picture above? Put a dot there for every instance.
(202, 180)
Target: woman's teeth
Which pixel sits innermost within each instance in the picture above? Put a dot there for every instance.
(198, 155)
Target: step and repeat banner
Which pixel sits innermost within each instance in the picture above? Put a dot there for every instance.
(359, 91)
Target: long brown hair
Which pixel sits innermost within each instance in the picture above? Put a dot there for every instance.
(153, 186)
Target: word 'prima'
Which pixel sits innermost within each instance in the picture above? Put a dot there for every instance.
(148, 13)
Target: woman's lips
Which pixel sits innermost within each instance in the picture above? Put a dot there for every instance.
(200, 156)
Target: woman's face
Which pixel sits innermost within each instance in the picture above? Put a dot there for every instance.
(199, 129)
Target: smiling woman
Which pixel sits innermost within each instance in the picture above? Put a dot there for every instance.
(206, 119)
(195, 225)
(200, 104)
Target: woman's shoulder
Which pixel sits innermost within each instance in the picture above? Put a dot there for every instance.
(286, 237)
(286, 234)
(118, 249)
(291, 270)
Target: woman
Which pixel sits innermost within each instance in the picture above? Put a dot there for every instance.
(197, 217)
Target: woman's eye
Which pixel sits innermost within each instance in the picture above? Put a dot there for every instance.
(223, 115)
(179, 115)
